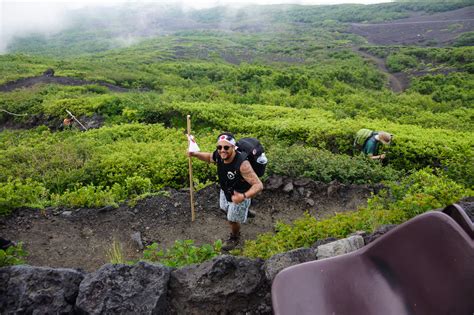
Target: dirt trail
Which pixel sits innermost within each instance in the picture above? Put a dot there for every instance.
(81, 238)
(397, 82)
(47, 79)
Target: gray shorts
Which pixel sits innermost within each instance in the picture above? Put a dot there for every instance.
(235, 212)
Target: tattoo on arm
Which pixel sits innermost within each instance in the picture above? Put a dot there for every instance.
(250, 177)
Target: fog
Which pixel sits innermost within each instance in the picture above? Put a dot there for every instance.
(24, 17)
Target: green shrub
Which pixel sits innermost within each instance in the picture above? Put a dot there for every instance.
(322, 165)
(399, 62)
(13, 255)
(182, 253)
(305, 231)
(465, 39)
(415, 194)
(137, 185)
(419, 192)
(16, 193)
(89, 196)
(414, 147)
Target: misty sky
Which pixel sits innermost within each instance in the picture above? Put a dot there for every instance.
(22, 17)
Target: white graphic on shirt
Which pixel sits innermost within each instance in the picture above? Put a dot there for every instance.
(230, 175)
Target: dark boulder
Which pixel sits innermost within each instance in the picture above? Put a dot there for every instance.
(468, 205)
(274, 182)
(379, 232)
(124, 289)
(38, 290)
(323, 241)
(278, 262)
(224, 285)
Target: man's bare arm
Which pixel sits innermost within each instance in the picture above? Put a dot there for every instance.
(250, 177)
(377, 157)
(203, 156)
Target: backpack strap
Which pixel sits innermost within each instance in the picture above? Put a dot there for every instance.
(374, 133)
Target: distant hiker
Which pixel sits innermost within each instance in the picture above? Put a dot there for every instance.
(369, 142)
(238, 182)
(67, 123)
(49, 73)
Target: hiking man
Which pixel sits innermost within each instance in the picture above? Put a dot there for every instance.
(68, 123)
(371, 145)
(237, 180)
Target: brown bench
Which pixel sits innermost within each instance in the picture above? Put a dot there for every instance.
(423, 266)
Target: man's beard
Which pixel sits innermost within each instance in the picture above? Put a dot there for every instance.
(229, 155)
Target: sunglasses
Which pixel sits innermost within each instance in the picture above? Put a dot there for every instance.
(220, 147)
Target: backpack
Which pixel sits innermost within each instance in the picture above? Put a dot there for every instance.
(255, 154)
(361, 138)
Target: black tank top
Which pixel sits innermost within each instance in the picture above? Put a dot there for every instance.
(230, 178)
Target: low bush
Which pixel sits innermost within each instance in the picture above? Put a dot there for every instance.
(137, 185)
(16, 193)
(13, 255)
(182, 253)
(324, 166)
(414, 147)
(415, 194)
(87, 196)
(305, 231)
(399, 62)
(419, 192)
(465, 39)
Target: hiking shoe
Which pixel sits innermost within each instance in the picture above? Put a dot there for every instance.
(251, 214)
(4, 243)
(231, 242)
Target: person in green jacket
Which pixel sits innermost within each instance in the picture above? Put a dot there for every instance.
(371, 146)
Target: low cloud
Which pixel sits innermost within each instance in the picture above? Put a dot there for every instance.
(22, 19)
(26, 17)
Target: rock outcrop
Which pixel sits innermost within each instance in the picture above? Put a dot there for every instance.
(278, 262)
(124, 289)
(340, 247)
(38, 290)
(224, 285)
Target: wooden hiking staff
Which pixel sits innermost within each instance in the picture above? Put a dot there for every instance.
(77, 120)
(191, 186)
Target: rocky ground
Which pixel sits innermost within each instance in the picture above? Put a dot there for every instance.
(438, 29)
(49, 78)
(238, 285)
(81, 238)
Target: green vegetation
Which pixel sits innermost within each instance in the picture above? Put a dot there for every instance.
(465, 39)
(285, 74)
(93, 169)
(419, 192)
(15, 193)
(415, 194)
(182, 253)
(324, 166)
(13, 255)
(115, 253)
